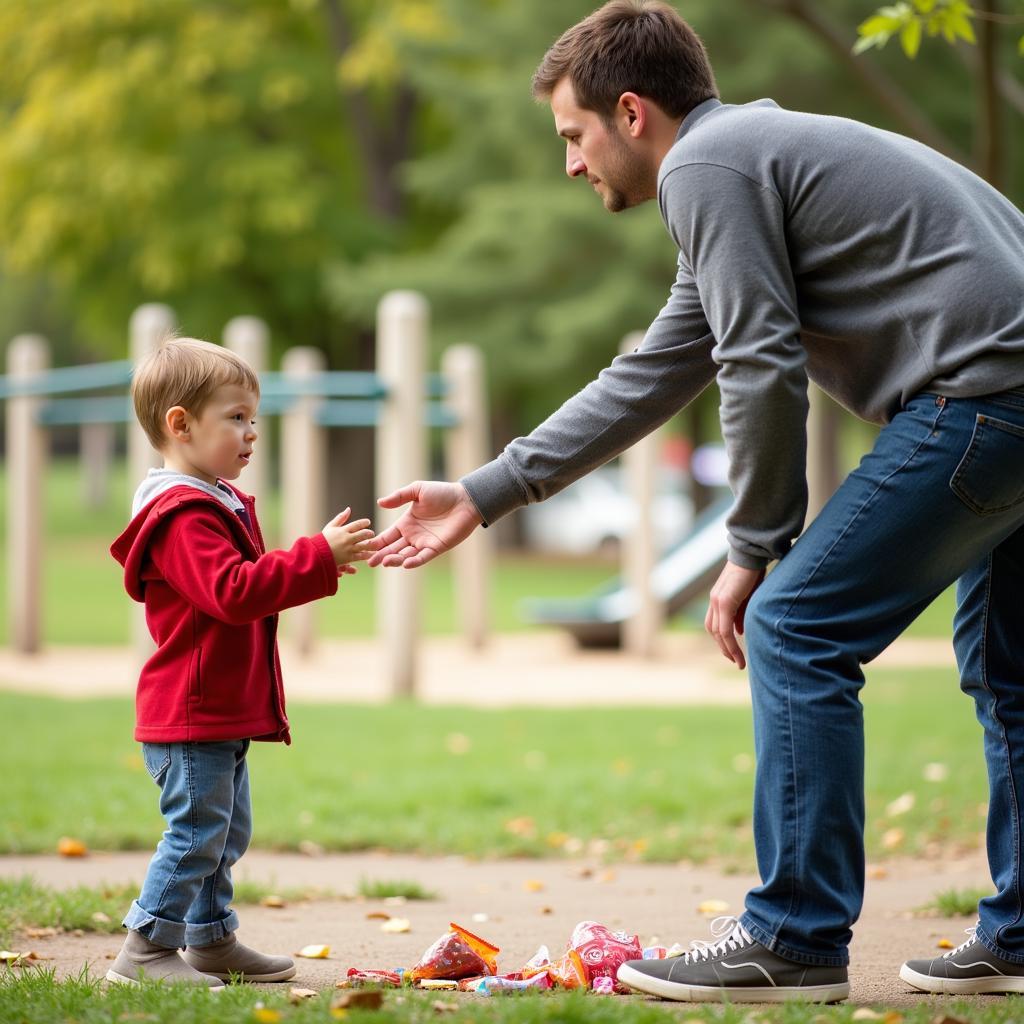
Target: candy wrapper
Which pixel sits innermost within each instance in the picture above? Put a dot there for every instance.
(511, 983)
(601, 952)
(457, 954)
(386, 979)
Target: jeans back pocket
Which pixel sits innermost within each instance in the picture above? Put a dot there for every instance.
(990, 476)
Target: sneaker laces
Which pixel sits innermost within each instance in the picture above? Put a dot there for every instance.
(729, 935)
(970, 941)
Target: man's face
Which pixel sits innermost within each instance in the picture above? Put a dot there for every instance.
(601, 152)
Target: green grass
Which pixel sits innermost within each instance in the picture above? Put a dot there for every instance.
(85, 603)
(382, 889)
(956, 902)
(24, 903)
(34, 996)
(650, 783)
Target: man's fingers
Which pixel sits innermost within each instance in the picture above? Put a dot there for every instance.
(410, 492)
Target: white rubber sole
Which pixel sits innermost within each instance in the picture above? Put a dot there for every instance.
(960, 986)
(120, 979)
(740, 994)
(284, 975)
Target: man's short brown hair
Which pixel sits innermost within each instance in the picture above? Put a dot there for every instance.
(640, 46)
(185, 372)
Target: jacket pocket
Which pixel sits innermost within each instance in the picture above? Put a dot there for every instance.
(195, 688)
(157, 759)
(990, 476)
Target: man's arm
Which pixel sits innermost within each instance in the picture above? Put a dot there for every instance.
(629, 399)
(733, 233)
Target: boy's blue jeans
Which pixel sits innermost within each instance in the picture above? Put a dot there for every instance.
(939, 498)
(204, 797)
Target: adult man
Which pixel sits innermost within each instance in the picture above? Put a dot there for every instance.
(816, 247)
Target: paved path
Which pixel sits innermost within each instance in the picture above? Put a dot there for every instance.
(541, 668)
(526, 902)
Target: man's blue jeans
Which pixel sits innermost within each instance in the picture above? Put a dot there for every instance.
(939, 498)
(204, 797)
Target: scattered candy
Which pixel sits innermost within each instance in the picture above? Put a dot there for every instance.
(944, 944)
(604, 986)
(387, 979)
(396, 925)
(533, 885)
(440, 984)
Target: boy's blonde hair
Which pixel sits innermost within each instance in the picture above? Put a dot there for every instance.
(185, 372)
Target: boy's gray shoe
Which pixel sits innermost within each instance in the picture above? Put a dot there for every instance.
(228, 957)
(737, 969)
(968, 968)
(141, 960)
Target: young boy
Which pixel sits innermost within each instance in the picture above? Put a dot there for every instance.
(193, 553)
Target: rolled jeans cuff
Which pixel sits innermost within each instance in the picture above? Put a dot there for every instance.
(178, 934)
(207, 934)
(157, 929)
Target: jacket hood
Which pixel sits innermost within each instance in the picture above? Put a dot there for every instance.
(130, 548)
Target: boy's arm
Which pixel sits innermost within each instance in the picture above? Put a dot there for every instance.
(197, 555)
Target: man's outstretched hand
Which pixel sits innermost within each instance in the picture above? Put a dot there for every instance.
(441, 515)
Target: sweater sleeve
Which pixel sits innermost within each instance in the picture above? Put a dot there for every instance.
(732, 230)
(635, 395)
(197, 555)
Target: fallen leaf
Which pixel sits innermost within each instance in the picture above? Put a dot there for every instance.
(458, 744)
(900, 805)
(944, 944)
(265, 1015)
(297, 995)
(893, 838)
(557, 839)
(440, 1006)
(100, 918)
(525, 827)
(711, 908)
(876, 871)
(607, 876)
(315, 952)
(533, 885)
(547, 910)
(69, 847)
(892, 1017)
(378, 915)
(949, 1019)
(272, 901)
(865, 1014)
(40, 933)
(396, 926)
(935, 772)
(311, 849)
(395, 901)
(358, 999)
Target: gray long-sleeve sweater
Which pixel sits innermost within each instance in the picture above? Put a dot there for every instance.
(809, 247)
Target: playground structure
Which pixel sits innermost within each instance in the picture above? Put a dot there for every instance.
(628, 612)
(309, 399)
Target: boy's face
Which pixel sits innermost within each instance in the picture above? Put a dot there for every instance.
(219, 441)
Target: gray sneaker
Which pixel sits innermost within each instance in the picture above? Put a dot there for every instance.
(141, 960)
(228, 957)
(736, 969)
(968, 968)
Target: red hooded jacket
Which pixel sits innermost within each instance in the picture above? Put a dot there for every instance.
(212, 593)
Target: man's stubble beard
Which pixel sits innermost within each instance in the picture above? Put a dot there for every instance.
(627, 176)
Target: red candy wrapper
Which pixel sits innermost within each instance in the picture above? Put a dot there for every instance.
(388, 979)
(602, 952)
(457, 954)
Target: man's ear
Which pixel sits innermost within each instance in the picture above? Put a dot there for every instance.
(633, 113)
(176, 421)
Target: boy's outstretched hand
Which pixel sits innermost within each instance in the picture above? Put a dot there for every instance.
(441, 516)
(350, 542)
